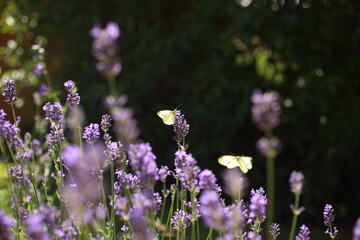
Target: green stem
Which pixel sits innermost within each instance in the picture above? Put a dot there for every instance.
(169, 217)
(112, 198)
(13, 112)
(270, 193)
(209, 234)
(295, 216)
(33, 182)
(112, 86)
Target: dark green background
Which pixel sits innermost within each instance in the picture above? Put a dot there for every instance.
(181, 53)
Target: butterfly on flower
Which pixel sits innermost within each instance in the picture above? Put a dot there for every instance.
(167, 116)
(231, 161)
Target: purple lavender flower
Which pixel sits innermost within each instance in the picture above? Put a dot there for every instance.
(141, 205)
(268, 147)
(67, 232)
(274, 230)
(207, 180)
(56, 135)
(356, 230)
(17, 174)
(105, 122)
(53, 112)
(258, 203)
(187, 171)
(10, 131)
(235, 183)
(9, 91)
(126, 181)
(6, 223)
(122, 208)
(329, 218)
(38, 69)
(105, 49)
(266, 109)
(296, 182)
(252, 236)
(329, 215)
(115, 152)
(73, 97)
(157, 202)
(50, 215)
(86, 168)
(163, 173)
(125, 124)
(181, 127)
(142, 161)
(212, 211)
(304, 233)
(181, 220)
(35, 229)
(91, 133)
(43, 90)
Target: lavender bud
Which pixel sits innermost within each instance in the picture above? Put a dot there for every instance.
(91, 133)
(304, 233)
(105, 122)
(9, 91)
(296, 182)
(274, 230)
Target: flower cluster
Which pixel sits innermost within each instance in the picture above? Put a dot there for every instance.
(105, 49)
(125, 124)
(266, 109)
(9, 91)
(329, 218)
(73, 97)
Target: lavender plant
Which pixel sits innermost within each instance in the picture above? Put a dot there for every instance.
(266, 114)
(99, 186)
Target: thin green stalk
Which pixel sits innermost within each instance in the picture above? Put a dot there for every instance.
(295, 216)
(32, 181)
(169, 217)
(112, 197)
(164, 202)
(209, 236)
(270, 168)
(112, 86)
(13, 112)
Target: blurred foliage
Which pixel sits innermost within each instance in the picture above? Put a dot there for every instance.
(208, 57)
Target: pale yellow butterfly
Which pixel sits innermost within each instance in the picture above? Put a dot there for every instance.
(167, 116)
(230, 161)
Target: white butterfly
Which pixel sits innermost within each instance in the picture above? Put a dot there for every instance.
(230, 161)
(167, 116)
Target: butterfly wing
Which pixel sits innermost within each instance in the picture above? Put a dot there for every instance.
(229, 161)
(245, 163)
(167, 116)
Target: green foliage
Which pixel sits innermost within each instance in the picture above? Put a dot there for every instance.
(186, 53)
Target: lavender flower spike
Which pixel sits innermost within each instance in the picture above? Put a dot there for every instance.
(304, 233)
(329, 218)
(6, 223)
(258, 203)
(91, 133)
(73, 97)
(296, 182)
(105, 49)
(9, 91)
(181, 220)
(356, 230)
(274, 230)
(266, 109)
